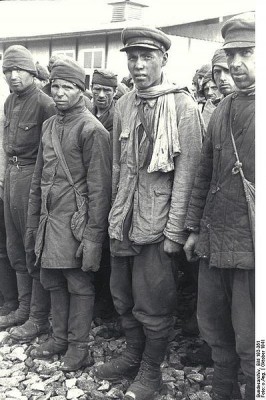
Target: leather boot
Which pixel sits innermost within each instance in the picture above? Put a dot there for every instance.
(38, 323)
(57, 344)
(149, 379)
(18, 317)
(8, 286)
(79, 324)
(224, 380)
(127, 365)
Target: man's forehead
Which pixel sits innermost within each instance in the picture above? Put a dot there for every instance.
(63, 82)
(142, 50)
(98, 86)
(220, 68)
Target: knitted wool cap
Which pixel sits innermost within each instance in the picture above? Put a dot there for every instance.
(207, 77)
(18, 56)
(104, 77)
(42, 72)
(70, 71)
(239, 31)
(142, 36)
(203, 70)
(219, 59)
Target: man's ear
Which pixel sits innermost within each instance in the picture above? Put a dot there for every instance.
(165, 59)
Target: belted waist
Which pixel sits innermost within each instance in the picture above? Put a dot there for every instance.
(20, 162)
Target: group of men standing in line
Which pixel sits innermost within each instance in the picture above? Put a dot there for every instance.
(157, 182)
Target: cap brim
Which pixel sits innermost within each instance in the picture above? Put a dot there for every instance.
(142, 46)
(234, 45)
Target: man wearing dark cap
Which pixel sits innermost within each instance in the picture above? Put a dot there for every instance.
(156, 147)
(103, 87)
(73, 164)
(221, 74)
(221, 218)
(26, 108)
(212, 95)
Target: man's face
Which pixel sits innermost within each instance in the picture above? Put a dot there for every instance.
(241, 63)
(211, 91)
(199, 82)
(18, 79)
(65, 94)
(223, 80)
(102, 96)
(145, 66)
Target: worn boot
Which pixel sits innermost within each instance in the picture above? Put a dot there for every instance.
(8, 286)
(38, 323)
(127, 365)
(57, 344)
(79, 324)
(149, 379)
(224, 380)
(18, 317)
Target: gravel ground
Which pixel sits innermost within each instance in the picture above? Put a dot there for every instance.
(23, 378)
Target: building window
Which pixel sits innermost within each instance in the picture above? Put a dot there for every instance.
(91, 59)
(68, 53)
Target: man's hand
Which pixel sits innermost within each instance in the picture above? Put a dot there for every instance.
(189, 247)
(91, 255)
(171, 247)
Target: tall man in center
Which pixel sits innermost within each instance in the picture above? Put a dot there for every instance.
(157, 140)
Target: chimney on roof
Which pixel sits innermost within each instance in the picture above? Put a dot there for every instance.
(127, 10)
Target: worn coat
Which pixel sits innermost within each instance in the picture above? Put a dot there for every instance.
(218, 207)
(86, 147)
(159, 199)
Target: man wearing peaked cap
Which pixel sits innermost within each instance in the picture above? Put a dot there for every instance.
(146, 37)
(157, 139)
(73, 165)
(103, 87)
(221, 218)
(26, 108)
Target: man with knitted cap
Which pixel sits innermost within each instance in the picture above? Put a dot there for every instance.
(103, 87)
(73, 168)
(221, 74)
(26, 108)
(221, 218)
(156, 147)
(212, 95)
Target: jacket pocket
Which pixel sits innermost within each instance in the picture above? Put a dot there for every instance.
(160, 208)
(123, 145)
(28, 134)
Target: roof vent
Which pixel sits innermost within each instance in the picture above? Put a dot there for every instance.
(126, 11)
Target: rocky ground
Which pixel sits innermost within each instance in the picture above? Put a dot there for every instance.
(22, 377)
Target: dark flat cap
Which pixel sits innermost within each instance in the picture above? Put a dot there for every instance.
(146, 37)
(69, 70)
(203, 69)
(104, 77)
(239, 31)
(219, 59)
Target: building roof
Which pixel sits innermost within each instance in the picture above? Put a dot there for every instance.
(46, 18)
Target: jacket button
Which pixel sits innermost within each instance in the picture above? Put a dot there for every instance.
(26, 128)
(215, 190)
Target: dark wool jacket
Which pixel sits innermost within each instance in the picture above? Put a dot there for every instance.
(86, 147)
(24, 116)
(218, 207)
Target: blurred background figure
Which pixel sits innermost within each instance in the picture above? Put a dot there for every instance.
(42, 77)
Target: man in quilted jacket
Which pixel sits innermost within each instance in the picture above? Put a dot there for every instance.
(221, 226)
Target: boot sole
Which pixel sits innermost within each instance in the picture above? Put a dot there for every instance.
(117, 379)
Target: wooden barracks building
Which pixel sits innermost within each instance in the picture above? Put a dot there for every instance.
(46, 31)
